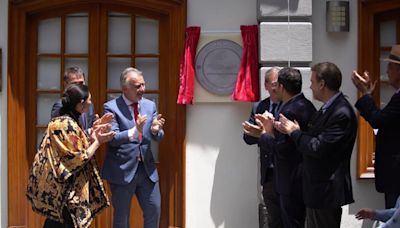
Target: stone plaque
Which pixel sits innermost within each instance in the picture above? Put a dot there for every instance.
(217, 65)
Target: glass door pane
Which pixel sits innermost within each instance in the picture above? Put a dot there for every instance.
(119, 33)
(76, 31)
(387, 39)
(146, 35)
(49, 35)
(59, 47)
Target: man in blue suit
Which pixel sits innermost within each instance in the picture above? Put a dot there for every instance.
(129, 164)
(75, 75)
(288, 159)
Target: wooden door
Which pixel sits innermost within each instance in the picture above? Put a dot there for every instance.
(102, 38)
(379, 29)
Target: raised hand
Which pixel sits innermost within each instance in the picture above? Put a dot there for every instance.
(286, 126)
(363, 82)
(140, 121)
(252, 129)
(102, 124)
(105, 119)
(103, 133)
(265, 120)
(157, 124)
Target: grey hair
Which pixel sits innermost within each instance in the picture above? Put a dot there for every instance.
(72, 70)
(270, 71)
(124, 74)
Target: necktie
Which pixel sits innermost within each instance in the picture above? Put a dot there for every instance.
(135, 115)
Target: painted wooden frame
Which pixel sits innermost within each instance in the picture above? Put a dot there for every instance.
(368, 60)
(20, 95)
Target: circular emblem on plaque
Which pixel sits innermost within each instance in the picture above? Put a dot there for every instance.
(217, 65)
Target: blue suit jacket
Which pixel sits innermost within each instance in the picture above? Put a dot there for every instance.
(121, 162)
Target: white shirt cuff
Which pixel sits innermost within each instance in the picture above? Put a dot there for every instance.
(133, 134)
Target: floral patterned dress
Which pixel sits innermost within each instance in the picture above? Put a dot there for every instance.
(62, 175)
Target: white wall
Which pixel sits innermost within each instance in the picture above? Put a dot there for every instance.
(221, 182)
(221, 170)
(3, 114)
(341, 48)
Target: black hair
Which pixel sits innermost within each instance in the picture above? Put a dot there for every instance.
(73, 95)
(73, 70)
(290, 79)
(330, 73)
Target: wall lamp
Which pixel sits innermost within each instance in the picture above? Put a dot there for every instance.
(337, 16)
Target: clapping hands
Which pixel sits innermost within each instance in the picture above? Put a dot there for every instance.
(157, 124)
(266, 123)
(140, 121)
(286, 126)
(101, 130)
(363, 82)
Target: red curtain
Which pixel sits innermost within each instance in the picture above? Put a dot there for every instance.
(186, 67)
(247, 84)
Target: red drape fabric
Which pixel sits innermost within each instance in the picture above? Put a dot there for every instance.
(247, 86)
(186, 67)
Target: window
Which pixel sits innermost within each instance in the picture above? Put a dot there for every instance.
(379, 29)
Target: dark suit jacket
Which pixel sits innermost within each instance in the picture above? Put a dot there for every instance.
(387, 152)
(326, 148)
(265, 153)
(121, 161)
(287, 158)
(86, 122)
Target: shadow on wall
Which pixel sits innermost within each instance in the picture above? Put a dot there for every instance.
(234, 200)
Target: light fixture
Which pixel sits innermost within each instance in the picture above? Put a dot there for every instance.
(337, 16)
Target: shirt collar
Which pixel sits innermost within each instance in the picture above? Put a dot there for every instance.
(330, 101)
(127, 101)
(292, 98)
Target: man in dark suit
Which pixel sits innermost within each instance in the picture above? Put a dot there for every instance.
(75, 75)
(326, 148)
(251, 136)
(387, 122)
(129, 165)
(288, 160)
